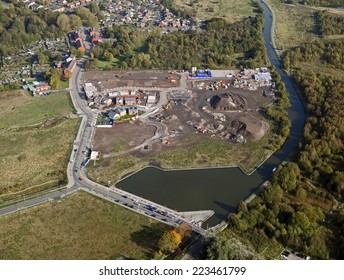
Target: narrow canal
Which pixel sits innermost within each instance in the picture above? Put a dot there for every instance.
(219, 189)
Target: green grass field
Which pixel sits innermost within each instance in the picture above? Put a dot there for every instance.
(230, 10)
(35, 141)
(64, 84)
(21, 109)
(107, 64)
(80, 226)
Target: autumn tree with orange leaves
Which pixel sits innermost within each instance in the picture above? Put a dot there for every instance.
(169, 241)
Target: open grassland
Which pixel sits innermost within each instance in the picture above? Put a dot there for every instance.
(80, 226)
(36, 142)
(20, 109)
(231, 10)
(295, 25)
(31, 156)
(318, 67)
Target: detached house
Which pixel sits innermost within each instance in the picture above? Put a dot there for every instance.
(41, 87)
(121, 112)
(132, 110)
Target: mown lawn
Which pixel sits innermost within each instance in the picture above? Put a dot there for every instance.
(107, 64)
(80, 226)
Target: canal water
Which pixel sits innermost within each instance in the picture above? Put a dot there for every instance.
(218, 189)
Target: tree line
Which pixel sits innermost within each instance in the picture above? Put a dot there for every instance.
(330, 54)
(210, 48)
(330, 24)
(277, 112)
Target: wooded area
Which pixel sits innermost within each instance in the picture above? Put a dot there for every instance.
(330, 24)
(330, 54)
(210, 48)
(299, 207)
(21, 27)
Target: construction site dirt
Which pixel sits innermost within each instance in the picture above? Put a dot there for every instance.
(122, 136)
(104, 80)
(203, 110)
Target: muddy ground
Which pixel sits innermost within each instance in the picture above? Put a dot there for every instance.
(122, 136)
(111, 79)
(182, 118)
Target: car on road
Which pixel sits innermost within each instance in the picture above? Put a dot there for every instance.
(151, 208)
(285, 254)
(80, 179)
(302, 256)
(76, 169)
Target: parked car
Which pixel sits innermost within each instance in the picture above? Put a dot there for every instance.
(285, 254)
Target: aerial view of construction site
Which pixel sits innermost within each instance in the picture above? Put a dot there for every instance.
(154, 117)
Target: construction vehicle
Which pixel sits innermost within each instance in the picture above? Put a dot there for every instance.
(168, 105)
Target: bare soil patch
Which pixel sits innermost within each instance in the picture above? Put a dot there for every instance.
(122, 136)
(116, 79)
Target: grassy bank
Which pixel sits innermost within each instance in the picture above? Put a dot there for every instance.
(215, 154)
(81, 226)
(112, 169)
